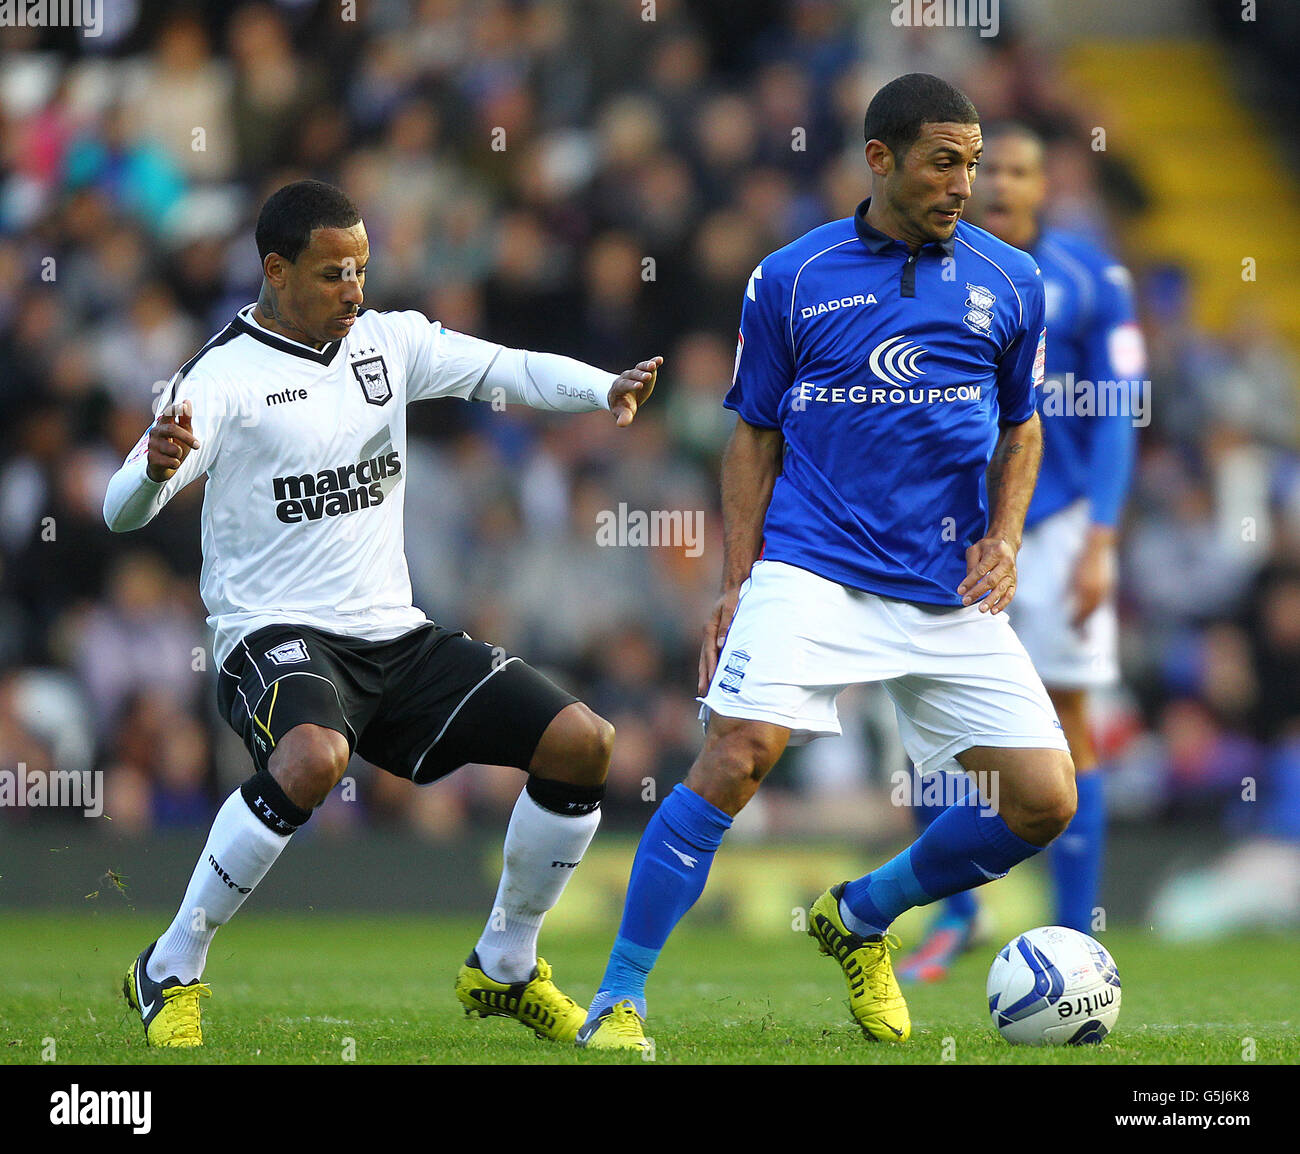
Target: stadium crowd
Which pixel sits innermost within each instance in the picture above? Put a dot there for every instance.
(576, 178)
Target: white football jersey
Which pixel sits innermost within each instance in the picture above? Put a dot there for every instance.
(305, 453)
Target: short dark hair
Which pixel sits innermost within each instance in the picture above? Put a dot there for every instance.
(290, 214)
(897, 112)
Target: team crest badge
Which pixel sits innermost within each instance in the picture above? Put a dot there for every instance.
(733, 672)
(372, 376)
(289, 652)
(979, 309)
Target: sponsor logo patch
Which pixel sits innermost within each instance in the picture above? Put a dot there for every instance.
(1040, 359)
(895, 360)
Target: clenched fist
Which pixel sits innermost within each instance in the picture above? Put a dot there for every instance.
(170, 440)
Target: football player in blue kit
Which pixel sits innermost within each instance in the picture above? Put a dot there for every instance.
(1091, 403)
(874, 493)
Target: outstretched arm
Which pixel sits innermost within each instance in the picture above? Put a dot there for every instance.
(445, 363)
(562, 384)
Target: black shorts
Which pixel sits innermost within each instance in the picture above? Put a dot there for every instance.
(418, 706)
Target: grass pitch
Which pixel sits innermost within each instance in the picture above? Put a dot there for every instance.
(334, 990)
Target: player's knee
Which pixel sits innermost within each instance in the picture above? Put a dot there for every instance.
(1041, 815)
(749, 751)
(732, 765)
(594, 746)
(308, 762)
(1053, 818)
(576, 747)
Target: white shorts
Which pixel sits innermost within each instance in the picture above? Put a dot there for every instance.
(958, 677)
(1065, 657)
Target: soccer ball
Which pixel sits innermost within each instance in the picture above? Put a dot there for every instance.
(1053, 987)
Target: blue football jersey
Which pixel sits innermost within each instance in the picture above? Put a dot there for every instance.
(888, 374)
(1092, 398)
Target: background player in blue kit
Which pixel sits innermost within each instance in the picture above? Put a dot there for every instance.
(1064, 612)
(874, 494)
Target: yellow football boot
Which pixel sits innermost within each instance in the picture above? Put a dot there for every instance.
(875, 1000)
(618, 1028)
(537, 1003)
(168, 1009)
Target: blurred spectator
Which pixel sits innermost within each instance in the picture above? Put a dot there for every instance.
(274, 87)
(137, 174)
(139, 646)
(181, 99)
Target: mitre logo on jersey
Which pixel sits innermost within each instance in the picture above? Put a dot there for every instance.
(334, 492)
(979, 309)
(372, 376)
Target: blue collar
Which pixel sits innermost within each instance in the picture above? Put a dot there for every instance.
(876, 240)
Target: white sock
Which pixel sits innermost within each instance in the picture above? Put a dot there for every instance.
(542, 848)
(243, 849)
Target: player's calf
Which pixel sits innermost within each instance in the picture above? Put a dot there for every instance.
(550, 829)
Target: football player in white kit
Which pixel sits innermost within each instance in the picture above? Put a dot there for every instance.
(296, 412)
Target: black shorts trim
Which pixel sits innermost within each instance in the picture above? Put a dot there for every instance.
(415, 772)
(348, 732)
(418, 706)
(500, 723)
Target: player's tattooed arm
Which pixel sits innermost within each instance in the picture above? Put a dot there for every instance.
(1012, 473)
(750, 467)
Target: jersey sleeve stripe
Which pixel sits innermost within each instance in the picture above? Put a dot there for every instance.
(794, 288)
(229, 333)
(486, 369)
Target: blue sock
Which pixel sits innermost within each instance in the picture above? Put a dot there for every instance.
(960, 905)
(668, 875)
(965, 846)
(1075, 856)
